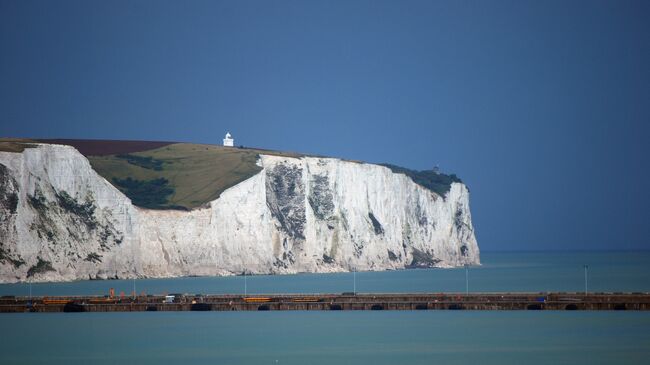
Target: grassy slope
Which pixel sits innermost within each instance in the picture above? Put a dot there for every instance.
(14, 144)
(197, 173)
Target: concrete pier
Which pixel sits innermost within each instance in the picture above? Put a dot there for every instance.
(345, 301)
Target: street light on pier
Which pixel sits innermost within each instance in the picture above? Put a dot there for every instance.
(586, 267)
(466, 279)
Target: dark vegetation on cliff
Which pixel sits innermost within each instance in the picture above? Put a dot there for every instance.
(150, 194)
(435, 181)
(144, 162)
(285, 196)
(84, 211)
(8, 193)
(8, 209)
(422, 260)
(375, 224)
(40, 267)
(74, 213)
(93, 257)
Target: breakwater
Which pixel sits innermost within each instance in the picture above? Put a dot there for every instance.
(344, 301)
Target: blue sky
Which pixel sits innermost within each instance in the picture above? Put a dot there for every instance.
(541, 107)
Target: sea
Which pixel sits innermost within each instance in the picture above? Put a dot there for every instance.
(340, 337)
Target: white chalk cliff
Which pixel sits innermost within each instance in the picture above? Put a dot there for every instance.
(60, 220)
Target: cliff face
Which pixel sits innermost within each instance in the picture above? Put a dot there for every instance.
(59, 220)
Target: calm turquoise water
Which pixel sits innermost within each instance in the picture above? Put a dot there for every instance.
(418, 337)
(500, 271)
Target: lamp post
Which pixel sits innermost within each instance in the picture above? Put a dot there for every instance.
(135, 275)
(586, 267)
(466, 279)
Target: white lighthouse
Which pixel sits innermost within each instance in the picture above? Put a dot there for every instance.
(228, 141)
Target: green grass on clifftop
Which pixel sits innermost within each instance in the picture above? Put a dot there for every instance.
(179, 175)
(14, 145)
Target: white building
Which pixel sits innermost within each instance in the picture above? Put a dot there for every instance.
(228, 141)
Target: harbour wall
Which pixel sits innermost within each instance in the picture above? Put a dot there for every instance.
(344, 301)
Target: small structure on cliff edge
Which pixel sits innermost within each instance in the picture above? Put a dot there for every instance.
(228, 141)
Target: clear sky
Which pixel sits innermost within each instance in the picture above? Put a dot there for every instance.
(541, 107)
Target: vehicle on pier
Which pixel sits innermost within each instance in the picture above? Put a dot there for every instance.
(103, 301)
(56, 301)
(257, 299)
(306, 300)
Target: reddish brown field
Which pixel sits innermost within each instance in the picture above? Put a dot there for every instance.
(90, 147)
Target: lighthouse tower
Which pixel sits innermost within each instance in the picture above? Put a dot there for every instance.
(228, 141)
